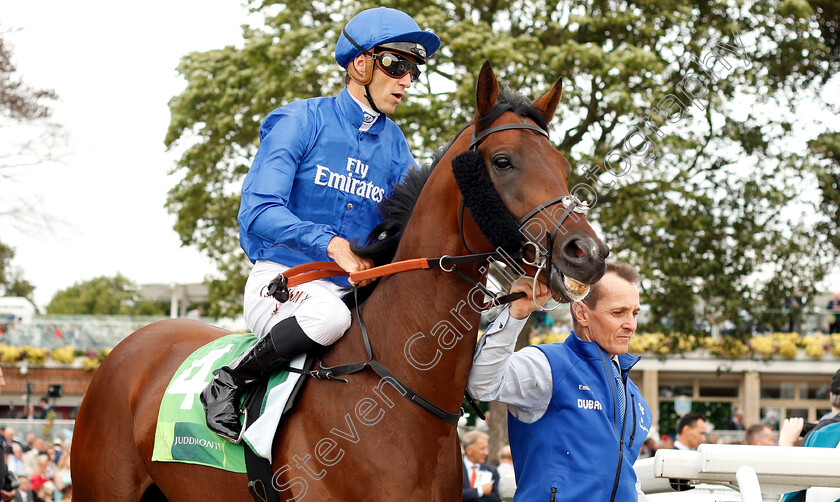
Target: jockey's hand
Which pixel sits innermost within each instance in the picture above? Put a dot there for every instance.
(339, 250)
(6, 496)
(522, 308)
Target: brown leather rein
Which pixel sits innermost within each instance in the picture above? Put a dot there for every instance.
(307, 272)
(324, 269)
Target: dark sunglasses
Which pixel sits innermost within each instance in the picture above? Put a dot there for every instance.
(396, 66)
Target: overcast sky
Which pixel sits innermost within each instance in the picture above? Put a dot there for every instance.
(113, 67)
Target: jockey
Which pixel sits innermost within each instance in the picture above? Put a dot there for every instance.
(322, 167)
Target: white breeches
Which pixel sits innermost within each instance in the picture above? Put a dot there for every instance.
(316, 305)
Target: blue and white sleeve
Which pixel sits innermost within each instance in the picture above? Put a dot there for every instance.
(521, 380)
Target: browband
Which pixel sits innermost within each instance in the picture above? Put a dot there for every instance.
(478, 139)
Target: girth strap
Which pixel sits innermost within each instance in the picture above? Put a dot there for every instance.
(258, 468)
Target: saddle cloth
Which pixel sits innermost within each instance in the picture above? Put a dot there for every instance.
(182, 434)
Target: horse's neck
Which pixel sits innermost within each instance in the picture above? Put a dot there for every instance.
(423, 329)
(428, 325)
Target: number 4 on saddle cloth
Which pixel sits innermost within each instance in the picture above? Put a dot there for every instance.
(182, 434)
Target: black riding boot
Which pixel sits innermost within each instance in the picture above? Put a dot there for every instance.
(221, 397)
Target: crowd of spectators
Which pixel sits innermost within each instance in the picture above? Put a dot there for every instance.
(42, 466)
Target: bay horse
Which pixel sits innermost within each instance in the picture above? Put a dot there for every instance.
(362, 440)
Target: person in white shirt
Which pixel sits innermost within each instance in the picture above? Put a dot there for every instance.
(507, 476)
(553, 392)
(15, 459)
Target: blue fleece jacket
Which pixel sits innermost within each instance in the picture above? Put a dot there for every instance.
(573, 451)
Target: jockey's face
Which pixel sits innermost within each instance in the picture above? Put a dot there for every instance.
(387, 92)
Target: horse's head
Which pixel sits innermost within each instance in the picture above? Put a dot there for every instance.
(515, 184)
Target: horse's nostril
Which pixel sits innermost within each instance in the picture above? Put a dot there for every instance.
(573, 250)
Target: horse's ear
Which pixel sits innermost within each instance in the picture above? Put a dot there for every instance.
(548, 103)
(487, 89)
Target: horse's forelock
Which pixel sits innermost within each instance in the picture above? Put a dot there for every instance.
(511, 101)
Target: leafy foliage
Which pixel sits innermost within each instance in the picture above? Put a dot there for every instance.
(827, 170)
(103, 296)
(17, 100)
(701, 202)
(11, 282)
(717, 413)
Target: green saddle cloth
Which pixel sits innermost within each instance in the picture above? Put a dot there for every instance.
(182, 434)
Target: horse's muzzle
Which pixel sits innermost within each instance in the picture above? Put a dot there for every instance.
(580, 257)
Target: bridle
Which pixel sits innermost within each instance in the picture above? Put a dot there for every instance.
(571, 203)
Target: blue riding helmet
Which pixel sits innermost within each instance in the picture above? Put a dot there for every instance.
(373, 27)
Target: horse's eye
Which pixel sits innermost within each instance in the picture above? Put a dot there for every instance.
(502, 162)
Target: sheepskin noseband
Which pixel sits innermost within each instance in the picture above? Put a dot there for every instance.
(485, 204)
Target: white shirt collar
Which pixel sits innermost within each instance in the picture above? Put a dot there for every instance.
(468, 464)
(368, 115)
(680, 446)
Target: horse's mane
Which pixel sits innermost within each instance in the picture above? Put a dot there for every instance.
(395, 211)
(510, 101)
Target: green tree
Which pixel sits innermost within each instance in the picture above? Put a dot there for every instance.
(827, 169)
(11, 282)
(103, 296)
(677, 114)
